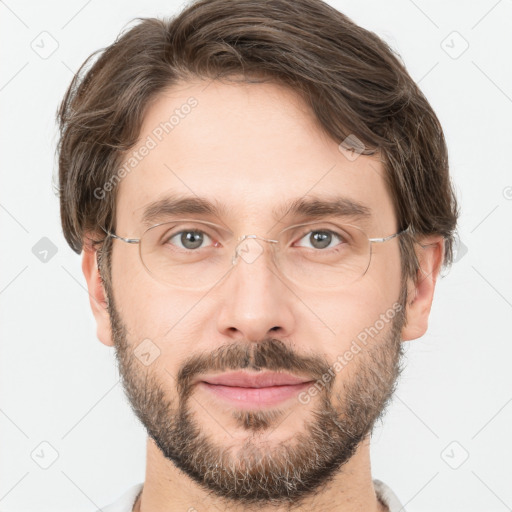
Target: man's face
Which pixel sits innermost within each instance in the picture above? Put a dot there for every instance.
(251, 148)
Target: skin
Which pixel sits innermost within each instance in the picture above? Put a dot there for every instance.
(253, 146)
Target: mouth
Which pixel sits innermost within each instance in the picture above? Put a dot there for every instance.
(250, 390)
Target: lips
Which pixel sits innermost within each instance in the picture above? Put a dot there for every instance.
(254, 380)
(250, 391)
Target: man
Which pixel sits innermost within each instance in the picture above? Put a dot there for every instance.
(262, 198)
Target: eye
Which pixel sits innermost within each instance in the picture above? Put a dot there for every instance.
(322, 238)
(189, 239)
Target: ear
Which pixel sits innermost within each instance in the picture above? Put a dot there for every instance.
(420, 293)
(97, 295)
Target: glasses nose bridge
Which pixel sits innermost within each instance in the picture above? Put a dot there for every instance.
(249, 252)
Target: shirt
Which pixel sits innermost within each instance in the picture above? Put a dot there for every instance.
(126, 502)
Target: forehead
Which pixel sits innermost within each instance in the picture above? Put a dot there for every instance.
(252, 150)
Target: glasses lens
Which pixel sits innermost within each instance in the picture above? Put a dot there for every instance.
(323, 255)
(187, 254)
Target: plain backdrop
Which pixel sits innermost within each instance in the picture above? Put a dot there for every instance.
(69, 440)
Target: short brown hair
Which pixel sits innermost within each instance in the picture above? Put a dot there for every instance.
(352, 80)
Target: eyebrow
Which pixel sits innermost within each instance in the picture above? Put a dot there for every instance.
(181, 205)
(321, 207)
(310, 207)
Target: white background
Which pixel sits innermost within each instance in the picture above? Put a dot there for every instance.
(59, 384)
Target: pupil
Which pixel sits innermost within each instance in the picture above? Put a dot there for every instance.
(323, 237)
(191, 239)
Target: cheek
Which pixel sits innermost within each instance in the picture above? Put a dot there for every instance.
(347, 312)
(360, 316)
(149, 309)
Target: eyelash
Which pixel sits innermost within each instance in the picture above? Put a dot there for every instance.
(337, 235)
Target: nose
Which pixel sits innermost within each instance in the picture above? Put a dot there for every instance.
(255, 301)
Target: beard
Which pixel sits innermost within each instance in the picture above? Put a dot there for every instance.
(258, 472)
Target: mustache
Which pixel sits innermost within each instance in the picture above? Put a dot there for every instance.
(270, 354)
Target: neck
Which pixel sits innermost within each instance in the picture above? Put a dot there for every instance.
(167, 488)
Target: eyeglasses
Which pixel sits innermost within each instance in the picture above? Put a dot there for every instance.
(193, 254)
